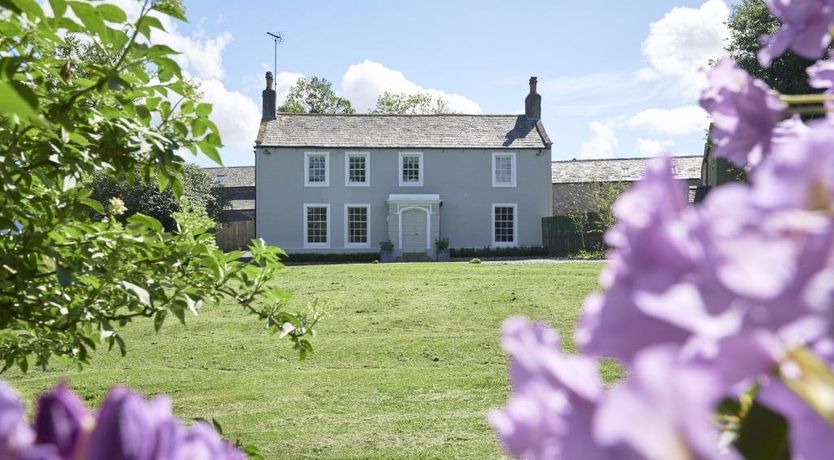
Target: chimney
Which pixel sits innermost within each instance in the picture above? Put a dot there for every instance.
(533, 103)
(268, 96)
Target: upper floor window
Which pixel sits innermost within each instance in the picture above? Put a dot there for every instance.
(503, 169)
(357, 169)
(411, 169)
(316, 169)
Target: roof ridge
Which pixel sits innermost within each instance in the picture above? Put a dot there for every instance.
(294, 114)
(579, 160)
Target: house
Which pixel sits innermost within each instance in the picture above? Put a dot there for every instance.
(237, 187)
(346, 183)
(576, 181)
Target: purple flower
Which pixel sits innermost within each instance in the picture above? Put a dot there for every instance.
(805, 29)
(201, 441)
(63, 421)
(40, 452)
(664, 409)
(745, 113)
(127, 427)
(550, 413)
(15, 434)
(822, 75)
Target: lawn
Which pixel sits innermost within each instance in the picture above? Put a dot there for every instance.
(407, 365)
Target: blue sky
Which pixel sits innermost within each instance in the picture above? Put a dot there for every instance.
(617, 78)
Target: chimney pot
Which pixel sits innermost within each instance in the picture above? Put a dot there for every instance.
(269, 100)
(533, 102)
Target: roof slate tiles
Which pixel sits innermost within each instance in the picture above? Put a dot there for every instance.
(618, 169)
(403, 131)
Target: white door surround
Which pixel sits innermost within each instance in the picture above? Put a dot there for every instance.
(424, 207)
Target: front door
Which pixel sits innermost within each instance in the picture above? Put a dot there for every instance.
(414, 222)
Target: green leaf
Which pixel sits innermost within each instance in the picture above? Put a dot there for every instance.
(172, 8)
(64, 276)
(203, 109)
(763, 435)
(159, 319)
(139, 292)
(29, 7)
(14, 104)
(59, 7)
(92, 204)
(143, 221)
(111, 13)
(89, 16)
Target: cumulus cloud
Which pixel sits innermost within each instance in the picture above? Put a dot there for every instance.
(603, 140)
(363, 83)
(678, 121)
(653, 147)
(236, 116)
(684, 40)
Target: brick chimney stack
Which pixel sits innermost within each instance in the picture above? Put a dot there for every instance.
(533, 102)
(269, 97)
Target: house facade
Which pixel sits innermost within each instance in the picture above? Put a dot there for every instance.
(346, 183)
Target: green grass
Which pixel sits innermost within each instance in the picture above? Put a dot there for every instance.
(407, 365)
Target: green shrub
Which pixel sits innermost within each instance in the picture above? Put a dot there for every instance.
(441, 244)
(351, 257)
(386, 246)
(521, 251)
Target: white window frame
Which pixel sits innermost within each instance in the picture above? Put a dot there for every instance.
(367, 157)
(495, 156)
(308, 245)
(421, 166)
(307, 182)
(348, 244)
(504, 244)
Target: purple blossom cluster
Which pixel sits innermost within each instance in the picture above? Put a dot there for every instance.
(729, 298)
(126, 428)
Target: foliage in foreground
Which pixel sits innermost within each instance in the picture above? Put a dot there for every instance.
(68, 282)
(722, 314)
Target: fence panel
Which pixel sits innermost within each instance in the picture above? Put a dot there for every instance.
(232, 236)
(561, 237)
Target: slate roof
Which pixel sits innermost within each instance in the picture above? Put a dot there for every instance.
(234, 176)
(403, 131)
(618, 169)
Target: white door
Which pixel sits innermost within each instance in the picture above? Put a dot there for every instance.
(414, 230)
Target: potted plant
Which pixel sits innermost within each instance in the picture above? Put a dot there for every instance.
(442, 246)
(386, 251)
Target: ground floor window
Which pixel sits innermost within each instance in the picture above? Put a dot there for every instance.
(357, 226)
(316, 225)
(504, 223)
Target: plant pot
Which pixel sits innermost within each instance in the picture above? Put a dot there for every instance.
(443, 255)
(386, 256)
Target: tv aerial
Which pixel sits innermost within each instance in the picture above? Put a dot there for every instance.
(278, 39)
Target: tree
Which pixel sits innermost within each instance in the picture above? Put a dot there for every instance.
(72, 274)
(410, 104)
(145, 197)
(315, 95)
(749, 21)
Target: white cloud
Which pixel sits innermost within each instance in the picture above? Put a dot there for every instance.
(363, 83)
(678, 121)
(683, 42)
(236, 116)
(653, 147)
(603, 140)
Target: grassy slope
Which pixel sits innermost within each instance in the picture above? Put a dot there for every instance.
(408, 360)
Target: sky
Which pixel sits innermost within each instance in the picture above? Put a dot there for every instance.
(617, 78)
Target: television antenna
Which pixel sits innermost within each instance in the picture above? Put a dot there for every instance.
(277, 38)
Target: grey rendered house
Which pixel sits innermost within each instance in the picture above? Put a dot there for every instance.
(346, 183)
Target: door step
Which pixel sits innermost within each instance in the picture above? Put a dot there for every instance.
(414, 257)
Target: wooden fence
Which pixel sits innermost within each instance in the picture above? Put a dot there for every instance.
(561, 237)
(232, 236)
